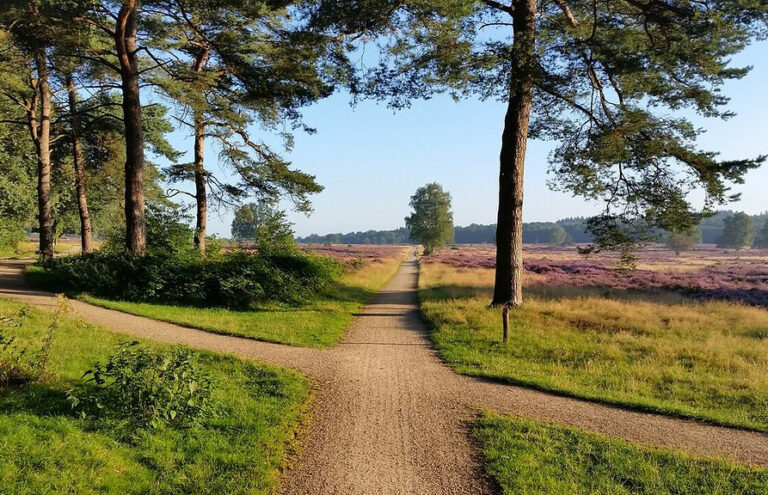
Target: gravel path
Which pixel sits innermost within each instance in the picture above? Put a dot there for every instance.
(389, 417)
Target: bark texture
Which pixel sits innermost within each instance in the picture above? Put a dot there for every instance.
(41, 135)
(125, 44)
(200, 191)
(201, 197)
(86, 234)
(509, 227)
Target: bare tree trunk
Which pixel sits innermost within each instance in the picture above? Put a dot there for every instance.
(86, 238)
(125, 44)
(200, 190)
(41, 135)
(509, 228)
(201, 196)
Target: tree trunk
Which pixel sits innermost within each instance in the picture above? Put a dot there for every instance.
(509, 228)
(200, 190)
(125, 44)
(43, 148)
(201, 197)
(79, 162)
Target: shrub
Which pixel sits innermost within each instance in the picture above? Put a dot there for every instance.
(236, 279)
(168, 232)
(17, 364)
(11, 234)
(148, 388)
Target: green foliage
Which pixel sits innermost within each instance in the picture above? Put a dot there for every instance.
(738, 231)
(148, 388)
(168, 232)
(265, 225)
(11, 234)
(680, 242)
(232, 65)
(431, 222)
(17, 364)
(762, 240)
(235, 280)
(535, 458)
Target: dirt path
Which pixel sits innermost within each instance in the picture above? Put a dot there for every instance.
(389, 417)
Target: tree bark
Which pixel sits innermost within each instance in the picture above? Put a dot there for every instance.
(200, 190)
(125, 44)
(41, 135)
(201, 196)
(86, 235)
(509, 228)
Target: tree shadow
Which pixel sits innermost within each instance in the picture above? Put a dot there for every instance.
(40, 399)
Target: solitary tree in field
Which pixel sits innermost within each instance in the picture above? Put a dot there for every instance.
(431, 222)
(680, 241)
(738, 231)
(601, 78)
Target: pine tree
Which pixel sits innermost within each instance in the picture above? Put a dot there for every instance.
(600, 78)
(236, 64)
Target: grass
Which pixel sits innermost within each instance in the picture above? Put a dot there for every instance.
(28, 249)
(320, 323)
(662, 353)
(46, 448)
(528, 457)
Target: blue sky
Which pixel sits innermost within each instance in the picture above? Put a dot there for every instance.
(371, 160)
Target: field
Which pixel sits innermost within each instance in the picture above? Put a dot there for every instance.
(319, 323)
(46, 447)
(683, 335)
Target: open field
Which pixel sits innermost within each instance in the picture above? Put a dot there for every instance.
(530, 457)
(706, 272)
(319, 323)
(648, 349)
(45, 447)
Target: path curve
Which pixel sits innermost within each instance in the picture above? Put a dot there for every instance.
(389, 417)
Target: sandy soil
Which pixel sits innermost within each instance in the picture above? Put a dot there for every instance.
(389, 417)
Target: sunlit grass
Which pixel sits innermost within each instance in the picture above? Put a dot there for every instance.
(534, 458)
(46, 448)
(661, 352)
(319, 323)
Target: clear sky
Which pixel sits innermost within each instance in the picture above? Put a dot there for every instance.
(371, 160)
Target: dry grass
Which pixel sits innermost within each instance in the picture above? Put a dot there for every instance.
(660, 352)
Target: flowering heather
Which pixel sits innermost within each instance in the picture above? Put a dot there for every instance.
(347, 253)
(703, 273)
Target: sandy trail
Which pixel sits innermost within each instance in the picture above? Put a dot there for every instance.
(389, 417)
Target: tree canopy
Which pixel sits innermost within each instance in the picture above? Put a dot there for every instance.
(738, 231)
(431, 222)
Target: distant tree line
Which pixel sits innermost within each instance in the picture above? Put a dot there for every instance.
(564, 231)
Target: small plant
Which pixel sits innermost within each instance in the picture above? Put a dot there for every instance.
(17, 364)
(148, 388)
(356, 263)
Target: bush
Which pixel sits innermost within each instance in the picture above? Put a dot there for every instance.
(11, 234)
(148, 388)
(237, 279)
(168, 232)
(17, 364)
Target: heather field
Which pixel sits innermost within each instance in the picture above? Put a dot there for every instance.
(683, 335)
(706, 272)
